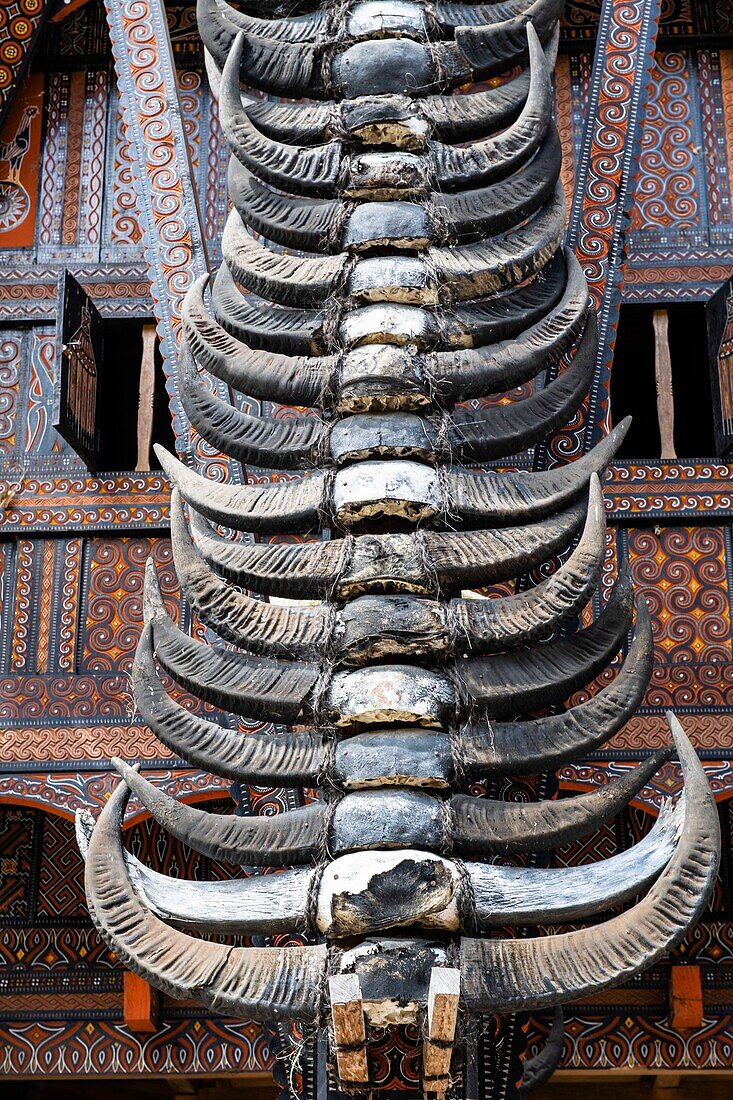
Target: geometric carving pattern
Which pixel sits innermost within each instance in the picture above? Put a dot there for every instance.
(681, 571)
(112, 599)
(17, 838)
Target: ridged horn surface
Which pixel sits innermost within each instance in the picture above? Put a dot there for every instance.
(494, 624)
(259, 627)
(270, 508)
(311, 225)
(485, 827)
(310, 170)
(516, 357)
(268, 841)
(512, 684)
(268, 61)
(277, 276)
(260, 758)
(256, 983)
(478, 163)
(253, 440)
(501, 975)
(521, 748)
(246, 906)
(531, 895)
(508, 498)
(260, 324)
(510, 429)
(384, 562)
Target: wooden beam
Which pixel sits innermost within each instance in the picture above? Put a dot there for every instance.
(349, 1029)
(604, 189)
(175, 248)
(663, 379)
(685, 998)
(139, 1004)
(442, 1018)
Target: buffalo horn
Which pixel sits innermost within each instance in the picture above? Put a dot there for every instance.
(491, 159)
(507, 685)
(277, 631)
(269, 508)
(254, 440)
(548, 333)
(507, 498)
(268, 841)
(510, 429)
(300, 379)
(262, 758)
(255, 687)
(276, 276)
(523, 748)
(256, 983)
(531, 895)
(248, 906)
(505, 975)
(261, 324)
(311, 170)
(483, 826)
(387, 562)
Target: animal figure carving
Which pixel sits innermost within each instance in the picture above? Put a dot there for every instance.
(393, 252)
(14, 151)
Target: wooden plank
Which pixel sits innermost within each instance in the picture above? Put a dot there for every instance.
(685, 998)
(604, 178)
(663, 379)
(19, 38)
(349, 1029)
(145, 404)
(139, 1004)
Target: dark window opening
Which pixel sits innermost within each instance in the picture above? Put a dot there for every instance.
(119, 398)
(633, 383)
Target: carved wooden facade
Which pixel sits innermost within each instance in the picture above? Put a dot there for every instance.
(74, 546)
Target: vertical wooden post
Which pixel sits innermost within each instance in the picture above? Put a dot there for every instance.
(663, 378)
(139, 1004)
(145, 402)
(685, 998)
(349, 1029)
(443, 994)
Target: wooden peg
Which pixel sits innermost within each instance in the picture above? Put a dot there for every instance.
(349, 1029)
(139, 1004)
(685, 998)
(443, 996)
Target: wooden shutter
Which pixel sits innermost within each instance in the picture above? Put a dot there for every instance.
(79, 357)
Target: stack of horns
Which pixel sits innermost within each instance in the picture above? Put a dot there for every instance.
(393, 265)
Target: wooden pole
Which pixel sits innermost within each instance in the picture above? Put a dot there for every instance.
(443, 994)
(349, 1029)
(145, 403)
(663, 378)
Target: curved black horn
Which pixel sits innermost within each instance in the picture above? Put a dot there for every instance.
(271, 841)
(483, 826)
(257, 983)
(501, 975)
(520, 748)
(261, 758)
